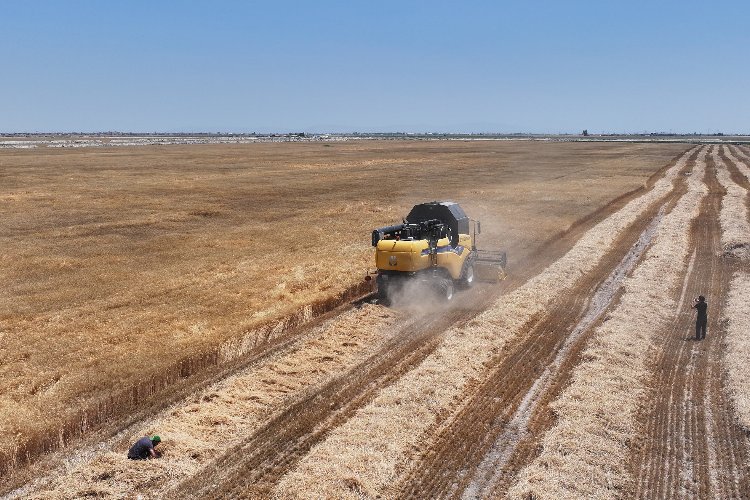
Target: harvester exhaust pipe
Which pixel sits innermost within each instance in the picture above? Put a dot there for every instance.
(380, 233)
(477, 230)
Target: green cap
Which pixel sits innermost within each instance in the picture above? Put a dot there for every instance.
(156, 439)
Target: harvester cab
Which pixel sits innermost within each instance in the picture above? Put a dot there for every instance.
(433, 246)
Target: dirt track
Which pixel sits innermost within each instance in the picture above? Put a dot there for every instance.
(252, 468)
(690, 445)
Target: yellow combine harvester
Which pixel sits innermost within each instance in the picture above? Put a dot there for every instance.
(434, 247)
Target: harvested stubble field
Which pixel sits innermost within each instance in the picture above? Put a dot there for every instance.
(176, 290)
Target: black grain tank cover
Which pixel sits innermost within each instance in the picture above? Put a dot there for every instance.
(448, 212)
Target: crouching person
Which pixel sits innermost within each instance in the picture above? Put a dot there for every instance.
(144, 448)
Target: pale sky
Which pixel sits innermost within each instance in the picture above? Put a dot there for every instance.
(419, 66)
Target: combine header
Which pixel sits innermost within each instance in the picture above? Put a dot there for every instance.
(433, 246)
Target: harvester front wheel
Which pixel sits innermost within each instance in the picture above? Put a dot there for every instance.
(467, 281)
(446, 289)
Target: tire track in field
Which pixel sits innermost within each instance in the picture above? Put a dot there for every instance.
(496, 432)
(582, 455)
(192, 376)
(743, 152)
(253, 467)
(366, 454)
(739, 165)
(739, 171)
(692, 448)
(232, 407)
(735, 206)
(559, 245)
(549, 252)
(496, 470)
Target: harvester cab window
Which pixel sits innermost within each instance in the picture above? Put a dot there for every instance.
(446, 233)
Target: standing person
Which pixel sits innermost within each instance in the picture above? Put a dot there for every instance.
(700, 305)
(144, 448)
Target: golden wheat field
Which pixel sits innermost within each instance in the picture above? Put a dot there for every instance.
(211, 294)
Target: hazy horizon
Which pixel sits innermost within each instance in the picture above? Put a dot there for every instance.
(365, 133)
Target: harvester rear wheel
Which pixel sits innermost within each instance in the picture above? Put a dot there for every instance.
(384, 297)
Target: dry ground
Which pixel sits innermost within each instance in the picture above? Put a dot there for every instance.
(122, 265)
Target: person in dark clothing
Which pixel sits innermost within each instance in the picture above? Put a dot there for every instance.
(144, 448)
(700, 305)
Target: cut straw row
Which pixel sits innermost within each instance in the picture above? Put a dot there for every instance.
(744, 157)
(585, 453)
(197, 431)
(737, 351)
(364, 455)
(735, 228)
(737, 310)
(741, 160)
